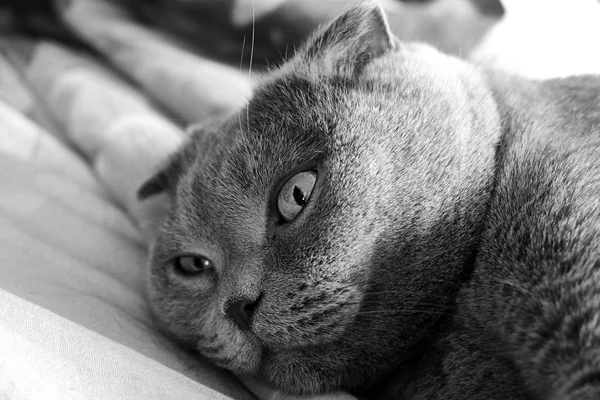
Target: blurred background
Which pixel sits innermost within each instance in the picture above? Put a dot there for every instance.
(222, 29)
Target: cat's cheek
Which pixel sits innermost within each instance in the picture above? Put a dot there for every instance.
(315, 318)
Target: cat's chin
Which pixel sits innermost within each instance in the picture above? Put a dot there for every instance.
(287, 371)
(243, 358)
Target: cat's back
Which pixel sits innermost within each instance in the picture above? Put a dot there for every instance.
(535, 287)
(535, 291)
(547, 199)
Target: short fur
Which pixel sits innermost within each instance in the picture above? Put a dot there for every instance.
(450, 249)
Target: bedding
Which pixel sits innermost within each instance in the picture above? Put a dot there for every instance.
(87, 113)
(74, 257)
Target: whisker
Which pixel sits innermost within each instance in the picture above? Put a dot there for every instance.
(250, 66)
(241, 64)
(403, 310)
(352, 339)
(418, 306)
(400, 290)
(242, 55)
(252, 43)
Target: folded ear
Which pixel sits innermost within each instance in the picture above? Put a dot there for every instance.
(201, 139)
(356, 37)
(165, 179)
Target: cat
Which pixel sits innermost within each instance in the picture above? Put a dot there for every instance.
(392, 221)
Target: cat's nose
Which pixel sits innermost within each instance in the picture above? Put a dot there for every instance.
(242, 310)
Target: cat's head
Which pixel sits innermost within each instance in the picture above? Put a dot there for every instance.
(316, 235)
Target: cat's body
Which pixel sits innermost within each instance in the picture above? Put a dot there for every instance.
(440, 236)
(527, 323)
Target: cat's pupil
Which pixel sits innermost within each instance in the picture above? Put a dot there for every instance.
(299, 196)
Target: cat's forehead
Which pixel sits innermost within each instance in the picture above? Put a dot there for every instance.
(286, 124)
(301, 116)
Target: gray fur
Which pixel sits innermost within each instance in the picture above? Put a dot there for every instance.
(449, 249)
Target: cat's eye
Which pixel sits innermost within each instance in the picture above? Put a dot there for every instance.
(191, 265)
(295, 193)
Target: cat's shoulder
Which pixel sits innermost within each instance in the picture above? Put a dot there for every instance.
(546, 206)
(567, 106)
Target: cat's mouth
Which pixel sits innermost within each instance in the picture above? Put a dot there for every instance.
(266, 340)
(246, 356)
(281, 326)
(239, 352)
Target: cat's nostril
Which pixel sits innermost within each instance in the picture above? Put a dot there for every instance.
(241, 311)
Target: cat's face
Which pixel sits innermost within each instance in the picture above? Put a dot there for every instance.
(314, 237)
